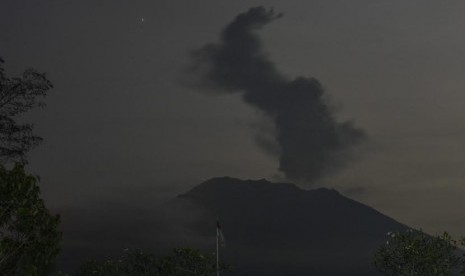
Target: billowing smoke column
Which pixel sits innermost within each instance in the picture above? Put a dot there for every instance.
(311, 143)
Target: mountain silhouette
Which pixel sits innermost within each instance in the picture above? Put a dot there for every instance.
(280, 229)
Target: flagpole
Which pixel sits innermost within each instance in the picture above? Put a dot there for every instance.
(217, 249)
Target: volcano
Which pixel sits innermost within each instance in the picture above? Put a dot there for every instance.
(281, 229)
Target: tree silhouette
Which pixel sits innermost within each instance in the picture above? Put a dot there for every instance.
(417, 253)
(17, 96)
(29, 236)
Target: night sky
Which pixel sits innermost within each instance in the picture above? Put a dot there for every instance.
(127, 125)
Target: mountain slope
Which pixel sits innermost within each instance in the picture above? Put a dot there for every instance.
(280, 229)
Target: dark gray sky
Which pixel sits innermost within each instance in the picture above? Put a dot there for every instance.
(122, 126)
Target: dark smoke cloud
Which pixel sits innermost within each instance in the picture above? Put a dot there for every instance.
(310, 141)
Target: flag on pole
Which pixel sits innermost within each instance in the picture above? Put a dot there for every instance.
(219, 233)
(219, 242)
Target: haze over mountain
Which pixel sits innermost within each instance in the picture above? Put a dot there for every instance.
(280, 229)
(269, 228)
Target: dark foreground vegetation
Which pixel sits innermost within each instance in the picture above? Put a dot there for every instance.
(417, 253)
(182, 262)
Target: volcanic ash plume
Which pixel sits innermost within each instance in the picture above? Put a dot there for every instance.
(311, 143)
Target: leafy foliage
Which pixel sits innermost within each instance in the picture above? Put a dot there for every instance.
(183, 262)
(29, 238)
(417, 253)
(17, 96)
